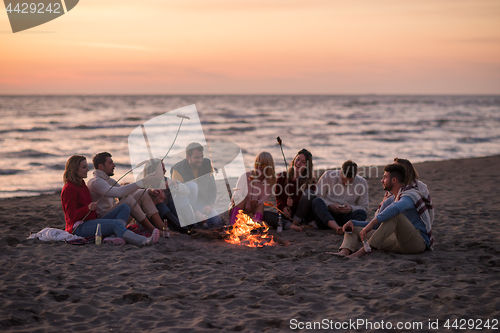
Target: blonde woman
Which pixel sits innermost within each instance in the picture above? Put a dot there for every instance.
(254, 188)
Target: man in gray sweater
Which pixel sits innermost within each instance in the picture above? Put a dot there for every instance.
(342, 195)
(143, 210)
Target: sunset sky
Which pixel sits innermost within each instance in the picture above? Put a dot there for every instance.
(257, 47)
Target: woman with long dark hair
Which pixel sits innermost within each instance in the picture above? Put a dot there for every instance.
(294, 192)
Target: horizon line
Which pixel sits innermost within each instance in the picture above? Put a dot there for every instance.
(251, 94)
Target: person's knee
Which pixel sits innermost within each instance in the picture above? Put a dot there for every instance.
(125, 209)
(129, 201)
(162, 209)
(317, 202)
(137, 213)
(193, 193)
(309, 195)
(180, 202)
(359, 215)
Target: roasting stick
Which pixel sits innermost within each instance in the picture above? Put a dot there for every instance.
(151, 155)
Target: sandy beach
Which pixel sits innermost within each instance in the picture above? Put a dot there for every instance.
(200, 285)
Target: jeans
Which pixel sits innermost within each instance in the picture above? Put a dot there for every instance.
(304, 209)
(112, 223)
(323, 215)
(303, 212)
(214, 221)
(167, 210)
(272, 218)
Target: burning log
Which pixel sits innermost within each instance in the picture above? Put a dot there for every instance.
(244, 232)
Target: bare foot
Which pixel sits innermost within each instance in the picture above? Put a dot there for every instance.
(361, 252)
(296, 228)
(167, 233)
(343, 253)
(333, 225)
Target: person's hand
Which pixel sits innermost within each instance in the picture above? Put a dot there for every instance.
(92, 206)
(207, 209)
(254, 203)
(345, 209)
(200, 216)
(363, 234)
(161, 196)
(157, 192)
(287, 212)
(348, 227)
(340, 231)
(334, 207)
(173, 184)
(289, 202)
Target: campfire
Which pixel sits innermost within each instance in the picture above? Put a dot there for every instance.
(249, 233)
(244, 232)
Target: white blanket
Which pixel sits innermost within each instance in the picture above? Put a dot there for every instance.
(53, 234)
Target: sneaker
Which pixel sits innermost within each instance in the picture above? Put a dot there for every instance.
(114, 241)
(154, 237)
(313, 224)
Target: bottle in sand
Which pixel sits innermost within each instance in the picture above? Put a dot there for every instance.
(368, 249)
(98, 234)
(166, 230)
(280, 224)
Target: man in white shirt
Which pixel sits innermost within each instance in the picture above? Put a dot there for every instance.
(342, 195)
(143, 210)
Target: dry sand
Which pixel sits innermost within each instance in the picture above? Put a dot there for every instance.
(200, 285)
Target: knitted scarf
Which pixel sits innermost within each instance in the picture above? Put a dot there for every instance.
(419, 193)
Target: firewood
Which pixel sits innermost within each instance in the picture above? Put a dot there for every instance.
(220, 234)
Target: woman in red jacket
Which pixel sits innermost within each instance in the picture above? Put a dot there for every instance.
(79, 210)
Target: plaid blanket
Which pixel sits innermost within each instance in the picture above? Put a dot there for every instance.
(419, 193)
(139, 229)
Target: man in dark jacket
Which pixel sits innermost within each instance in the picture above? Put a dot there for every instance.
(197, 173)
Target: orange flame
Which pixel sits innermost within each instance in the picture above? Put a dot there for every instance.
(241, 232)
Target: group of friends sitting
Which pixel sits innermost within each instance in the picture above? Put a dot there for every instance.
(338, 200)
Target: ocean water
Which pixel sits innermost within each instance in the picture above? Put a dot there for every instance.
(39, 133)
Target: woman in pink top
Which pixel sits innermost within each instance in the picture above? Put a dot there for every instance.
(254, 188)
